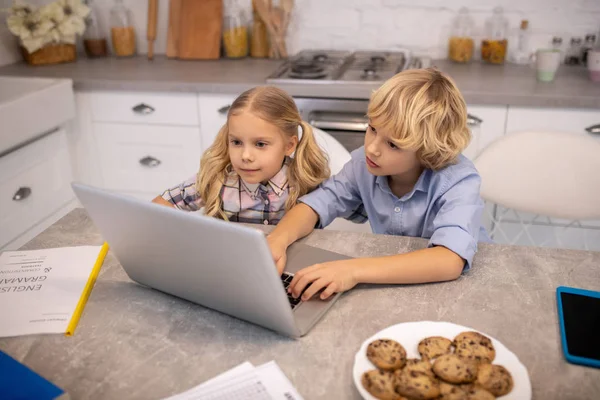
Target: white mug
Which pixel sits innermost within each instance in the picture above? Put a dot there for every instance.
(547, 62)
(593, 64)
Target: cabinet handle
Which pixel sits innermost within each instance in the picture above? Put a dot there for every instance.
(224, 109)
(473, 120)
(593, 128)
(22, 193)
(150, 162)
(143, 109)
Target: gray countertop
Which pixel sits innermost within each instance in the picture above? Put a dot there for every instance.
(479, 83)
(136, 343)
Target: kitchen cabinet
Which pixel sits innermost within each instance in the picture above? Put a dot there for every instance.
(35, 188)
(212, 109)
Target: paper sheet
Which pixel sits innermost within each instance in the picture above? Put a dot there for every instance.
(39, 289)
(245, 382)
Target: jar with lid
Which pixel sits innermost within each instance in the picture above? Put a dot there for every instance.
(494, 46)
(590, 42)
(94, 41)
(122, 30)
(235, 31)
(461, 44)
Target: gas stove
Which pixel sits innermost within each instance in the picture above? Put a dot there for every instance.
(334, 66)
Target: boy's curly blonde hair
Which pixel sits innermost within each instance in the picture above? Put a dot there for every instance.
(424, 111)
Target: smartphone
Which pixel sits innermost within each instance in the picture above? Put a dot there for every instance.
(579, 317)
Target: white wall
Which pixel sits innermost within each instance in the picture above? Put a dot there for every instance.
(382, 24)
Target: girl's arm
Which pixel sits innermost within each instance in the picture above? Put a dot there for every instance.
(163, 202)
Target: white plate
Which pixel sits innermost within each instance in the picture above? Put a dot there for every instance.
(409, 334)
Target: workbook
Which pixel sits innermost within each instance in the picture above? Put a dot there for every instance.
(45, 291)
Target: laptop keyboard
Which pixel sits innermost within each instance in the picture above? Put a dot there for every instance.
(286, 279)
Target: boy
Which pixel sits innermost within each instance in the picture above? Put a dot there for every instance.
(409, 179)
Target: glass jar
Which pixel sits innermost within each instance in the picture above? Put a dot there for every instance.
(573, 56)
(494, 46)
(461, 44)
(94, 40)
(235, 32)
(122, 30)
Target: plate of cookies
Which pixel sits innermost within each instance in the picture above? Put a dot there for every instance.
(438, 360)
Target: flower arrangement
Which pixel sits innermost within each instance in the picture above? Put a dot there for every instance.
(53, 24)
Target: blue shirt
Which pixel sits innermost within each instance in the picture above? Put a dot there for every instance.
(444, 206)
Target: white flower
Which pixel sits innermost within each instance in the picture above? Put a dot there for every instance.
(31, 25)
(61, 10)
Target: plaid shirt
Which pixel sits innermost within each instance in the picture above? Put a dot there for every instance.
(242, 202)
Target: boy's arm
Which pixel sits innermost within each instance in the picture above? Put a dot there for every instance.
(337, 196)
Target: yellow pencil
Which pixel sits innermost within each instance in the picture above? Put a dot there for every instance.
(86, 291)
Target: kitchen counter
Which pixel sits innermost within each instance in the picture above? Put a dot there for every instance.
(137, 343)
(479, 83)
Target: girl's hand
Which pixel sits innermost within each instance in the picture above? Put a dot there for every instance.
(278, 251)
(334, 277)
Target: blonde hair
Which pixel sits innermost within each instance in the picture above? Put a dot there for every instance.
(308, 168)
(424, 111)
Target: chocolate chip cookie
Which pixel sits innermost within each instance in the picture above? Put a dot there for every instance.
(434, 346)
(495, 379)
(454, 369)
(381, 385)
(386, 354)
(416, 385)
(475, 392)
(449, 391)
(415, 364)
(474, 346)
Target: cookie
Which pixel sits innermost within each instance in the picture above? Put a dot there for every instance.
(495, 379)
(381, 385)
(449, 391)
(434, 346)
(454, 369)
(416, 385)
(474, 346)
(415, 364)
(386, 354)
(475, 392)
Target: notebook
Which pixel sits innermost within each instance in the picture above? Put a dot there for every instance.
(17, 382)
(45, 291)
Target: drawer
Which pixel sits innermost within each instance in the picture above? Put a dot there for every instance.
(145, 108)
(565, 120)
(41, 173)
(213, 110)
(147, 159)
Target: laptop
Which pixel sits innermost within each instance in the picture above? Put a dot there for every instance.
(221, 265)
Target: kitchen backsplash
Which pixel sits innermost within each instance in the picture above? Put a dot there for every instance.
(380, 24)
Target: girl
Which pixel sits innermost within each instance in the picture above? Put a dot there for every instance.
(248, 174)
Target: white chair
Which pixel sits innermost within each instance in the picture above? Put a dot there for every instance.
(338, 156)
(553, 175)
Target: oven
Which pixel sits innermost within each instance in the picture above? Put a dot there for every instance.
(344, 119)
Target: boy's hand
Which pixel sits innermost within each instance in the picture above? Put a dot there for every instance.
(334, 277)
(278, 251)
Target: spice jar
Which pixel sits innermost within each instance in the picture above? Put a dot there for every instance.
(494, 46)
(461, 44)
(259, 40)
(235, 32)
(94, 41)
(122, 30)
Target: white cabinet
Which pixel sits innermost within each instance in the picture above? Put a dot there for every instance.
(563, 120)
(486, 124)
(145, 108)
(34, 184)
(213, 109)
(146, 158)
(142, 142)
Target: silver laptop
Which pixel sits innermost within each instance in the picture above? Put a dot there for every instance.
(221, 265)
